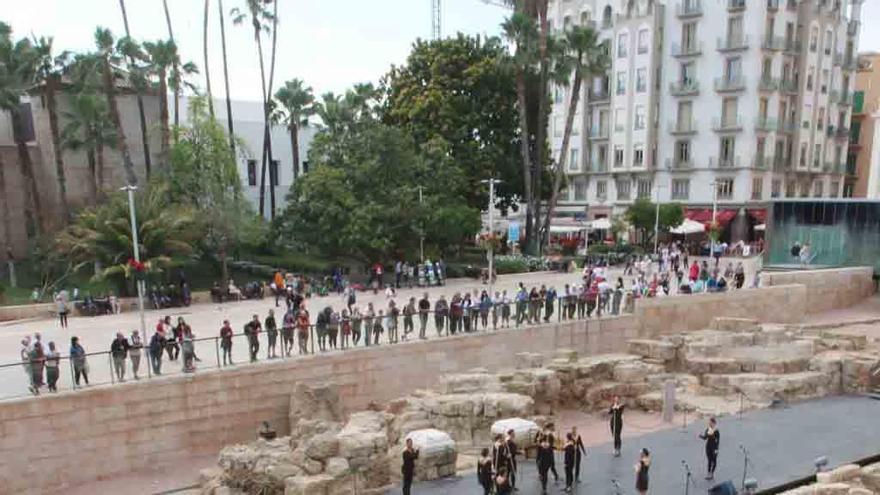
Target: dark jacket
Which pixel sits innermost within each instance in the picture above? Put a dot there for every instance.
(119, 347)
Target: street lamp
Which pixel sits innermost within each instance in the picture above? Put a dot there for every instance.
(130, 189)
(422, 232)
(714, 185)
(657, 187)
(491, 183)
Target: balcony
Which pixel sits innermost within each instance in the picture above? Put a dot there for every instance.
(678, 164)
(599, 95)
(680, 128)
(850, 62)
(727, 124)
(766, 124)
(730, 162)
(829, 130)
(684, 88)
(773, 5)
(842, 132)
(842, 98)
(763, 162)
(773, 43)
(688, 9)
(852, 28)
(792, 46)
(736, 5)
(730, 84)
(767, 83)
(732, 43)
(791, 5)
(600, 168)
(786, 126)
(780, 164)
(599, 133)
(692, 50)
(789, 86)
(838, 59)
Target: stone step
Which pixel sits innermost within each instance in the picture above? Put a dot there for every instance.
(765, 387)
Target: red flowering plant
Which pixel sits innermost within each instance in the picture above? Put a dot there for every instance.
(489, 240)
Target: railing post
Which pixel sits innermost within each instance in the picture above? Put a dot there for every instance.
(312, 338)
(112, 369)
(217, 350)
(72, 374)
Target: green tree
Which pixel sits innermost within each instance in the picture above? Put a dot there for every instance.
(642, 214)
(88, 129)
(128, 48)
(164, 60)
(18, 74)
(203, 175)
(581, 56)
(294, 104)
(102, 234)
(458, 94)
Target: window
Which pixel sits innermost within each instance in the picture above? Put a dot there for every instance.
(683, 152)
(689, 37)
(775, 188)
(585, 18)
(724, 188)
(685, 115)
(623, 189)
(558, 93)
(824, 87)
(834, 190)
(643, 41)
(757, 188)
(558, 126)
(727, 152)
(641, 79)
(601, 189)
(273, 172)
(802, 159)
(580, 190)
(687, 74)
(814, 38)
(820, 122)
(790, 189)
(566, 22)
(602, 155)
(810, 72)
(638, 156)
(807, 115)
(621, 82)
(618, 156)
(252, 172)
(573, 163)
(681, 189)
(848, 190)
(730, 111)
(828, 42)
(732, 68)
(817, 155)
(622, 41)
(619, 119)
(644, 188)
(818, 187)
(767, 69)
(640, 117)
(805, 189)
(735, 31)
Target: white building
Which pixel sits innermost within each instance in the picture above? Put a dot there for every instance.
(247, 124)
(751, 96)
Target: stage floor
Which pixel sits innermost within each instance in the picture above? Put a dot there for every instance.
(782, 444)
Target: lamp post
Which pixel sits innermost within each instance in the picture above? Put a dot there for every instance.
(714, 185)
(491, 183)
(130, 189)
(657, 187)
(422, 232)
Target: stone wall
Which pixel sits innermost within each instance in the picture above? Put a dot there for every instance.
(62, 440)
(827, 289)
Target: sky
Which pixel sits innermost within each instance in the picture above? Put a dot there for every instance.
(330, 44)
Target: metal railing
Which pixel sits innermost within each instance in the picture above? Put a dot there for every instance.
(689, 8)
(730, 83)
(684, 88)
(690, 50)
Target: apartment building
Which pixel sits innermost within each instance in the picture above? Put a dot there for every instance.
(863, 163)
(728, 101)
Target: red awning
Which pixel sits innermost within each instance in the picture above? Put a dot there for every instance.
(704, 215)
(759, 214)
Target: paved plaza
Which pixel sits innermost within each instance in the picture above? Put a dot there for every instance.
(96, 333)
(782, 444)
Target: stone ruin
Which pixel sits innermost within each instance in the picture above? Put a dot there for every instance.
(737, 363)
(849, 479)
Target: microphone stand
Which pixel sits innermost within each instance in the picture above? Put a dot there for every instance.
(617, 490)
(687, 478)
(745, 466)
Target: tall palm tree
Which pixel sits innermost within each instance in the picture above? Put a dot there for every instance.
(4, 211)
(140, 97)
(205, 53)
(88, 129)
(295, 105)
(175, 74)
(582, 57)
(162, 56)
(226, 77)
(260, 18)
(108, 59)
(50, 70)
(18, 74)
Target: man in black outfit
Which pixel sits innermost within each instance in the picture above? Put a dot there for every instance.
(544, 459)
(579, 452)
(547, 435)
(569, 450)
(408, 468)
(511, 452)
(616, 414)
(713, 440)
(500, 455)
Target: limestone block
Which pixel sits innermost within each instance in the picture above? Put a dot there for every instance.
(524, 429)
(569, 355)
(464, 383)
(718, 365)
(636, 371)
(728, 324)
(308, 485)
(436, 452)
(870, 476)
(857, 490)
(529, 360)
(319, 401)
(311, 466)
(654, 349)
(601, 366)
(336, 467)
(322, 446)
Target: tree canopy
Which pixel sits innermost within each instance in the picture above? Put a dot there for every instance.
(642, 214)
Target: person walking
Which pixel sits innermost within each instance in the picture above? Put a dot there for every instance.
(252, 331)
(615, 412)
(484, 471)
(544, 460)
(505, 309)
(409, 312)
(424, 309)
(569, 450)
(62, 307)
(579, 453)
(408, 469)
(512, 451)
(226, 334)
(272, 335)
(642, 472)
(157, 346)
(135, 350)
(78, 358)
(119, 350)
(712, 437)
(53, 369)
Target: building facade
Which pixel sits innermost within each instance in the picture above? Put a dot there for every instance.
(863, 164)
(733, 102)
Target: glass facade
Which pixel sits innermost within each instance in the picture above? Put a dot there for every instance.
(839, 233)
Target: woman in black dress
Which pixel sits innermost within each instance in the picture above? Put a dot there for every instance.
(713, 440)
(642, 472)
(484, 471)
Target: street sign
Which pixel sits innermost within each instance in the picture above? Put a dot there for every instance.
(513, 232)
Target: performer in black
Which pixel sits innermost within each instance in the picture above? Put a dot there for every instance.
(511, 459)
(544, 460)
(502, 483)
(547, 434)
(713, 440)
(642, 472)
(616, 414)
(484, 471)
(579, 453)
(501, 457)
(569, 450)
(409, 465)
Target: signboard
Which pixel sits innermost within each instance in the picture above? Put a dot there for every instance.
(513, 232)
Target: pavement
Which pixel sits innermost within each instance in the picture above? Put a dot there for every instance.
(781, 444)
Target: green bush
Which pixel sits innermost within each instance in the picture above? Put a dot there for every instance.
(294, 262)
(511, 264)
(599, 249)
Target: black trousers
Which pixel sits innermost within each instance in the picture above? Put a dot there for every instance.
(487, 487)
(577, 466)
(407, 485)
(553, 469)
(712, 461)
(569, 475)
(542, 475)
(617, 442)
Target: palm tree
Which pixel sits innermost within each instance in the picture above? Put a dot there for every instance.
(295, 106)
(259, 17)
(226, 77)
(18, 74)
(205, 53)
(49, 74)
(108, 59)
(540, 13)
(87, 129)
(4, 211)
(175, 74)
(582, 56)
(138, 92)
(162, 56)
